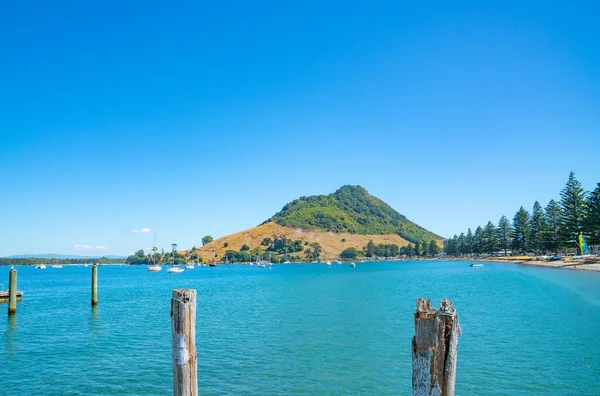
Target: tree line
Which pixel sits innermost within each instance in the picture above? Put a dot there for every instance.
(37, 261)
(548, 229)
(423, 249)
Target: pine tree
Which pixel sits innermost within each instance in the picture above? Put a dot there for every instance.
(537, 227)
(433, 248)
(478, 240)
(550, 234)
(572, 205)
(490, 238)
(462, 244)
(521, 229)
(504, 234)
(410, 250)
(469, 241)
(417, 249)
(592, 219)
(425, 249)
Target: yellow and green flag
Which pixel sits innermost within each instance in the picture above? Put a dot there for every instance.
(583, 245)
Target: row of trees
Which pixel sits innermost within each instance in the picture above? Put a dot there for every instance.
(544, 229)
(36, 261)
(140, 258)
(392, 250)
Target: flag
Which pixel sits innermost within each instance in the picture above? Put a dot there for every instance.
(583, 245)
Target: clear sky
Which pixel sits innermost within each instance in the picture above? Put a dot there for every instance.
(207, 117)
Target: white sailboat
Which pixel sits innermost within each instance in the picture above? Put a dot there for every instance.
(154, 267)
(352, 264)
(174, 269)
(40, 266)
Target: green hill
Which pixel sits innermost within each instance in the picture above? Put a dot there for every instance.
(350, 209)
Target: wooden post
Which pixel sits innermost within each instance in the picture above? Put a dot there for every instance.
(183, 342)
(434, 349)
(12, 292)
(94, 285)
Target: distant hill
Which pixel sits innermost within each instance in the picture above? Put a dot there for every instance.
(350, 217)
(61, 256)
(353, 210)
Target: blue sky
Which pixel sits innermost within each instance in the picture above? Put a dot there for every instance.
(206, 118)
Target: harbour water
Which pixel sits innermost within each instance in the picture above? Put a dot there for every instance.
(301, 329)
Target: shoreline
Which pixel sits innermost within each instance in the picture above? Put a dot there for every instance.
(559, 264)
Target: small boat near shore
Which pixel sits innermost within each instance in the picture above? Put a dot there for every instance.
(190, 266)
(175, 270)
(40, 266)
(475, 265)
(57, 266)
(352, 265)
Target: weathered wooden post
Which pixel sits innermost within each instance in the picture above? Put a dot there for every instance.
(183, 342)
(434, 349)
(12, 292)
(94, 285)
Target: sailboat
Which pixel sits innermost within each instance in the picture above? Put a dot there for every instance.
(154, 267)
(174, 269)
(286, 259)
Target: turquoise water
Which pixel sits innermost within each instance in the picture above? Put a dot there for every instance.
(301, 329)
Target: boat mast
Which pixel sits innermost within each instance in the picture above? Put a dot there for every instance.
(154, 249)
(173, 247)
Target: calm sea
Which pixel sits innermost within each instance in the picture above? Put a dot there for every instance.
(301, 329)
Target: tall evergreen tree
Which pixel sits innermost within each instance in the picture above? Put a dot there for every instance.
(433, 248)
(504, 234)
(462, 244)
(417, 249)
(410, 250)
(478, 240)
(537, 227)
(450, 248)
(521, 230)
(490, 238)
(469, 241)
(592, 218)
(572, 205)
(550, 234)
(425, 249)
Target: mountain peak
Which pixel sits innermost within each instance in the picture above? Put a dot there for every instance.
(353, 210)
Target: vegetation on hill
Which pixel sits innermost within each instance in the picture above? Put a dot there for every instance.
(353, 210)
(546, 229)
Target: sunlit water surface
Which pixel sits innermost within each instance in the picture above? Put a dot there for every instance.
(301, 329)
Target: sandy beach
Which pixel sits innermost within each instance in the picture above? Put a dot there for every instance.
(590, 265)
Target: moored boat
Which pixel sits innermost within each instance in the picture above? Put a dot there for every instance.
(352, 264)
(40, 266)
(475, 265)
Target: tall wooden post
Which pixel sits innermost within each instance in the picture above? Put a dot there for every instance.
(183, 342)
(434, 349)
(94, 285)
(12, 292)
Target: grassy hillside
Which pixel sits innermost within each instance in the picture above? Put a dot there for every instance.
(331, 242)
(351, 209)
